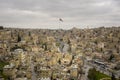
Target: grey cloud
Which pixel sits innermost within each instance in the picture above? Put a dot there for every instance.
(48, 11)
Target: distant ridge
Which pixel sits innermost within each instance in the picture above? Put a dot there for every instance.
(73, 28)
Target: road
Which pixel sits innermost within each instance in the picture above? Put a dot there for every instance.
(32, 70)
(86, 69)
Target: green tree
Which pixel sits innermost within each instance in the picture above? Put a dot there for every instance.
(92, 74)
(113, 77)
(19, 38)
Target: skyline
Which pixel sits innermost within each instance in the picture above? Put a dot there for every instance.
(46, 13)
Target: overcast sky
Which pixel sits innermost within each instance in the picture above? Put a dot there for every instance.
(46, 13)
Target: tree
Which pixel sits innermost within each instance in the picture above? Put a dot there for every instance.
(29, 33)
(92, 74)
(19, 38)
(1, 27)
(113, 77)
(111, 57)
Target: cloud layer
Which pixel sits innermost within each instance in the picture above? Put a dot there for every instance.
(46, 13)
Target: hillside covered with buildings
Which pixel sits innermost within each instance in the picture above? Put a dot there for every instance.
(43, 54)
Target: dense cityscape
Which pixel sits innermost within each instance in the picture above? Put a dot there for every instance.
(74, 54)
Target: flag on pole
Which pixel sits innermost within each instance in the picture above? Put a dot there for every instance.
(60, 20)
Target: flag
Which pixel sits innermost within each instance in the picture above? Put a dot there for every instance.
(60, 20)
